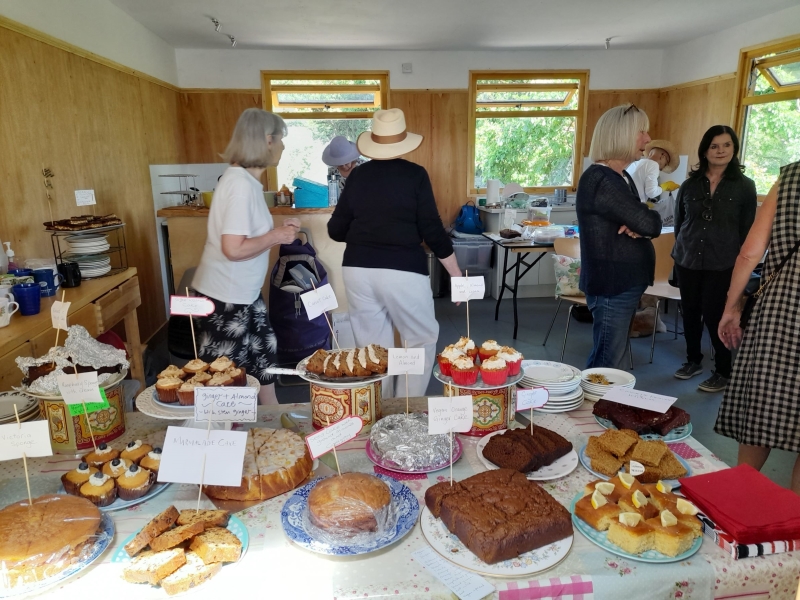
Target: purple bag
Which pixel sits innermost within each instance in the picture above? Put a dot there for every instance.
(297, 336)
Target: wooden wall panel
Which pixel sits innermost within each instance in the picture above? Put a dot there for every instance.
(448, 141)
(602, 100)
(687, 112)
(95, 127)
(208, 120)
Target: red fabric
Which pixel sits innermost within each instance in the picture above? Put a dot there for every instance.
(112, 339)
(746, 504)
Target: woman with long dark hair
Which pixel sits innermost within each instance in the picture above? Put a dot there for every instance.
(714, 210)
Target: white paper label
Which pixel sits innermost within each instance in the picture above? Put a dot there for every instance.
(319, 301)
(58, 314)
(337, 434)
(31, 439)
(406, 360)
(640, 399)
(449, 414)
(80, 388)
(190, 305)
(509, 217)
(237, 404)
(532, 398)
(84, 197)
(184, 448)
(465, 585)
(463, 289)
(636, 468)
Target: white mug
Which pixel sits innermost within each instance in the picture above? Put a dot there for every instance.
(5, 292)
(7, 308)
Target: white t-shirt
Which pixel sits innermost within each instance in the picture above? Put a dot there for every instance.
(238, 208)
(644, 173)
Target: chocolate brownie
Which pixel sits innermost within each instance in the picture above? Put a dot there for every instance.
(523, 451)
(640, 420)
(499, 514)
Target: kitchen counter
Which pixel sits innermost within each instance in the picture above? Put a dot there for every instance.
(497, 211)
(202, 211)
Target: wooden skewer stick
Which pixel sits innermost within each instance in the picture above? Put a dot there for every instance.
(336, 458)
(58, 331)
(451, 457)
(89, 423)
(191, 324)
(405, 345)
(202, 477)
(24, 460)
(329, 324)
(467, 274)
(531, 420)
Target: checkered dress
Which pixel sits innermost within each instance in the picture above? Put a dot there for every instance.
(761, 406)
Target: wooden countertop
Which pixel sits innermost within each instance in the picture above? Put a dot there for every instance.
(202, 211)
(22, 329)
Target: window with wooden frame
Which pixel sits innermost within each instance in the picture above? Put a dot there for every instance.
(317, 106)
(526, 127)
(768, 109)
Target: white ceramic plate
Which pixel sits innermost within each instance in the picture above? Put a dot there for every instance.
(450, 547)
(562, 409)
(25, 406)
(336, 383)
(147, 403)
(563, 466)
(614, 376)
(573, 395)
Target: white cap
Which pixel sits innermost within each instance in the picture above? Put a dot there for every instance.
(9, 251)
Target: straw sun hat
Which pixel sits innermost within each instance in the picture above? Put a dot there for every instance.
(388, 138)
(669, 148)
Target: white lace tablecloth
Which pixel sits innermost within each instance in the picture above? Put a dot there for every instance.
(278, 569)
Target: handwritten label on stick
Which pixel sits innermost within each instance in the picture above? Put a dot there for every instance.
(84, 197)
(509, 217)
(636, 468)
(31, 439)
(80, 388)
(182, 456)
(640, 399)
(467, 288)
(337, 434)
(58, 314)
(77, 409)
(406, 360)
(532, 398)
(319, 301)
(449, 414)
(237, 404)
(465, 585)
(190, 305)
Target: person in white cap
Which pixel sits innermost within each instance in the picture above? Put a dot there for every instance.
(386, 212)
(341, 155)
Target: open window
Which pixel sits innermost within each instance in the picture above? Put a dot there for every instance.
(768, 109)
(318, 105)
(526, 127)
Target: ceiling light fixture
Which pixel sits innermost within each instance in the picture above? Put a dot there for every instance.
(217, 26)
(233, 41)
(216, 23)
(608, 43)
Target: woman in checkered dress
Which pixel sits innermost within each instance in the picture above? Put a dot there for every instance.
(761, 407)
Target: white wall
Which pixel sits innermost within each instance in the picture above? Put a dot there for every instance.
(99, 27)
(232, 68)
(718, 53)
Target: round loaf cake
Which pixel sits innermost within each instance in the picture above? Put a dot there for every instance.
(347, 504)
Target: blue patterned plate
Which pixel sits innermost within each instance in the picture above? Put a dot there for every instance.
(104, 538)
(292, 520)
(600, 538)
(677, 434)
(587, 462)
(235, 526)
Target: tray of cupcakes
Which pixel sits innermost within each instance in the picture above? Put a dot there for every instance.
(112, 479)
(468, 366)
(172, 397)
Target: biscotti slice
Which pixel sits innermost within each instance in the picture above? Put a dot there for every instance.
(173, 537)
(212, 518)
(316, 362)
(377, 358)
(151, 567)
(190, 575)
(153, 529)
(360, 363)
(333, 367)
(217, 544)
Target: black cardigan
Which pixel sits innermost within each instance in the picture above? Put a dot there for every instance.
(612, 263)
(386, 211)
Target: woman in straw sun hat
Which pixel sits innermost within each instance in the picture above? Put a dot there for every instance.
(342, 156)
(384, 214)
(659, 156)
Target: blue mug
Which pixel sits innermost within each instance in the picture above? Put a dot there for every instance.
(20, 272)
(28, 297)
(47, 280)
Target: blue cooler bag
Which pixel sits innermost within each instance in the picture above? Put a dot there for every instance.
(309, 194)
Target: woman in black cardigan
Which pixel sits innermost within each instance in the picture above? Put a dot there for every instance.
(617, 257)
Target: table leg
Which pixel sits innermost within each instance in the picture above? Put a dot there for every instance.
(514, 292)
(132, 335)
(502, 283)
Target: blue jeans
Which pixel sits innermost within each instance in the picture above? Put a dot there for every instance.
(612, 321)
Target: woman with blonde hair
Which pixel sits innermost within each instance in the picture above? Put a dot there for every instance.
(236, 255)
(618, 259)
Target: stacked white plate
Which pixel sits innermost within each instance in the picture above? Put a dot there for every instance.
(561, 380)
(87, 244)
(616, 378)
(27, 408)
(93, 266)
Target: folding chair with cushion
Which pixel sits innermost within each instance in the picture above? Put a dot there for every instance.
(661, 287)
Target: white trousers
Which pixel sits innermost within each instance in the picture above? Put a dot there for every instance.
(383, 299)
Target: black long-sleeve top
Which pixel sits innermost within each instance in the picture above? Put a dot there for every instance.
(386, 211)
(713, 245)
(612, 263)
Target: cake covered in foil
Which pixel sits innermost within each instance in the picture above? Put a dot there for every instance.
(80, 353)
(403, 442)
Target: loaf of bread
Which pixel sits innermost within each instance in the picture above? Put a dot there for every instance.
(348, 504)
(499, 514)
(523, 451)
